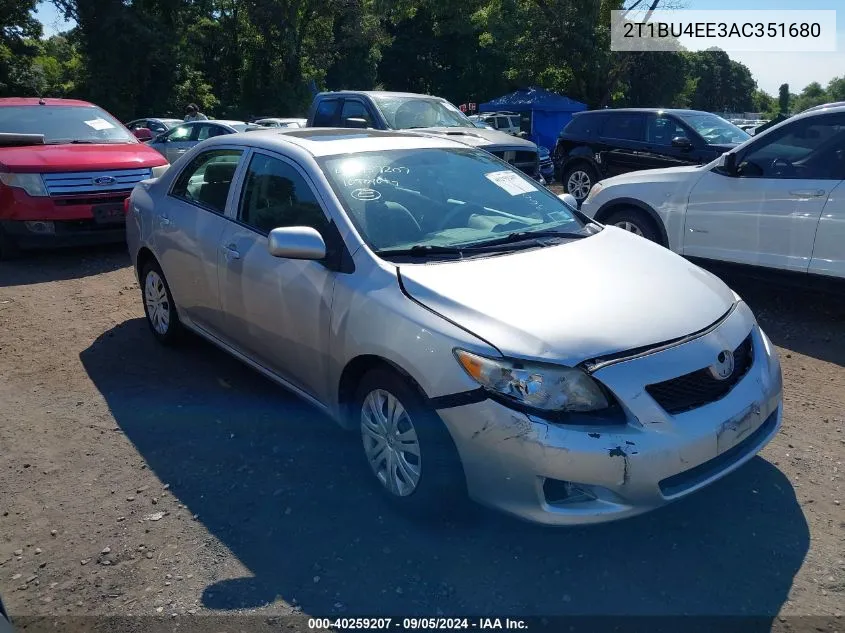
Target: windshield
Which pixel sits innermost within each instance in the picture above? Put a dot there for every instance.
(64, 124)
(714, 129)
(407, 113)
(436, 198)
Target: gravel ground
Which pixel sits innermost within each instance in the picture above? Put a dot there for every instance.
(142, 480)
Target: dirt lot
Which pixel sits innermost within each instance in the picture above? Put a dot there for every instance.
(142, 480)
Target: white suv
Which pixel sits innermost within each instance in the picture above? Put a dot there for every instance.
(776, 201)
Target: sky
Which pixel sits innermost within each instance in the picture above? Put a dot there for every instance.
(770, 70)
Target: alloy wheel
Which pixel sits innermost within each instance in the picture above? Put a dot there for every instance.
(630, 227)
(579, 184)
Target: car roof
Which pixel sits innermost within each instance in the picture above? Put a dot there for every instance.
(325, 141)
(379, 93)
(34, 101)
(836, 105)
(642, 110)
(283, 119)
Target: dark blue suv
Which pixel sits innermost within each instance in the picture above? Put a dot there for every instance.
(597, 144)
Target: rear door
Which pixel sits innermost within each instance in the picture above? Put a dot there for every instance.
(623, 140)
(188, 226)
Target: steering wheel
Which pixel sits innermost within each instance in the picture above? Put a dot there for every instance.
(469, 208)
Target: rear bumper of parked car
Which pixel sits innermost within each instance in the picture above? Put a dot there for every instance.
(527, 466)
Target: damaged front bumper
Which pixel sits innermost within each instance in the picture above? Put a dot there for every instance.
(560, 475)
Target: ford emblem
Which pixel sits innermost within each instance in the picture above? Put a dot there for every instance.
(105, 180)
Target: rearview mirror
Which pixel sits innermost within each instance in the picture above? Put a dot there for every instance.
(296, 242)
(143, 134)
(569, 199)
(355, 122)
(682, 142)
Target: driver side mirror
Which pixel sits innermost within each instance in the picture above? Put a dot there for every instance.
(296, 242)
(569, 199)
(729, 164)
(682, 142)
(143, 134)
(356, 122)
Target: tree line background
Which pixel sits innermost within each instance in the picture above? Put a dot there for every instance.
(238, 58)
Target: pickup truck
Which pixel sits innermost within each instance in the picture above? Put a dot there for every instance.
(407, 111)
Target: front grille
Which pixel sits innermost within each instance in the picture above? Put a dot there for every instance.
(525, 161)
(83, 182)
(698, 388)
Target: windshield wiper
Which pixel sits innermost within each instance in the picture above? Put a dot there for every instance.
(522, 236)
(74, 141)
(424, 250)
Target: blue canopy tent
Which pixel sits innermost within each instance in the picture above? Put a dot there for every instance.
(549, 112)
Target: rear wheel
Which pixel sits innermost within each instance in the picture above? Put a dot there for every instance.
(408, 450)
(635, 221)
(158, 305)
(579, 179)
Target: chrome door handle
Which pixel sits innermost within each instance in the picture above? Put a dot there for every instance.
(808, 193)
(163, 220)
(232, 252)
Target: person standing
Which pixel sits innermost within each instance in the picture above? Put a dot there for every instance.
(193, 113)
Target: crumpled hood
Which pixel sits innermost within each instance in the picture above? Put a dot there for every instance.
(480, 137)
(579, 300)
(82, 157)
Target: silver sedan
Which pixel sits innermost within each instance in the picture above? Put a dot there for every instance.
(480, 334)
(179, 139)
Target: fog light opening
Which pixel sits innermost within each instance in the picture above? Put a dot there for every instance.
(559, 492)
(40, 226)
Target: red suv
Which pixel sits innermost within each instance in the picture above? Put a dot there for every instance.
(66, 167)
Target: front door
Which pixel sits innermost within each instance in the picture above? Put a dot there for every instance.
(768, 213)
(278, 311)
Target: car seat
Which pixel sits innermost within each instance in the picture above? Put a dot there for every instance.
(216, 182)
(389, 223)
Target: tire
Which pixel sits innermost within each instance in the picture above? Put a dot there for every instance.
(158, 305)
(578, 179)
(432, 484)
(635, 221)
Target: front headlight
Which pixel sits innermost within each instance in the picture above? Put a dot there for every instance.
(544, 387)
(594, 191)
(158, 172)
(31, 183)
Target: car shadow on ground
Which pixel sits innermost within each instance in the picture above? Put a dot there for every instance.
(284, 489)
(35, 267)
(804, 320)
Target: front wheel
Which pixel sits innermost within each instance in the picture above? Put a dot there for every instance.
(408, 449)
(578, 180)
(636, 222)
(158, 305)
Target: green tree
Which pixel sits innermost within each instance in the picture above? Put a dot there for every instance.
(812, 95)
(783, 99)
(19, 33)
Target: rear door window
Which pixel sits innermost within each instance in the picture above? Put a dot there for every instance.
(625, 127)
(207, 179)
(326, 114)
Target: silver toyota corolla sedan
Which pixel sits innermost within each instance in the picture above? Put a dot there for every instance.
(481, 335)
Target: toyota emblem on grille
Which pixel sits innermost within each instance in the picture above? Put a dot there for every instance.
(724, 365)
(105, 180)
